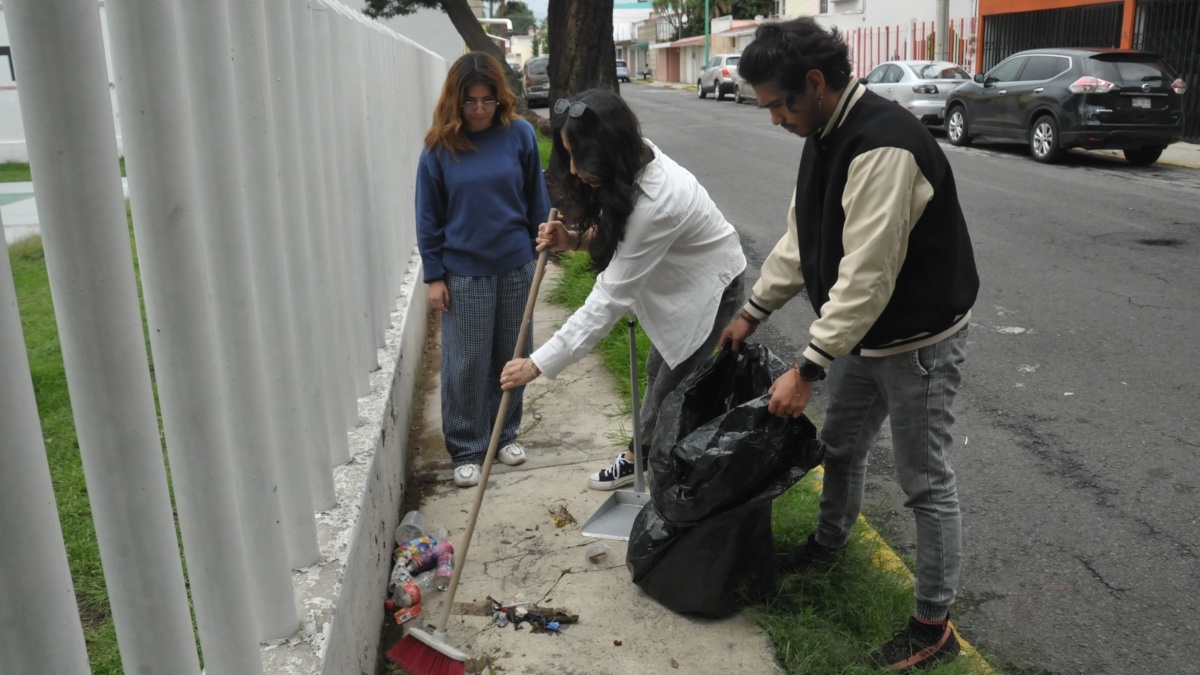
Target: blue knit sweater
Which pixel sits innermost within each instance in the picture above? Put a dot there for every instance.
(478, 213)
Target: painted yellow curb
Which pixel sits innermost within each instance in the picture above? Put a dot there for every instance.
(885, 558)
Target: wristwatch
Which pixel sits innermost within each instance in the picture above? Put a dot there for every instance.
(811, 372)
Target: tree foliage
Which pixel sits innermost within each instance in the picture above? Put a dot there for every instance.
(686, 17)
(519, 13)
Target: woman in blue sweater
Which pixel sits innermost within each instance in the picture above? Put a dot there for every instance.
(480, 198)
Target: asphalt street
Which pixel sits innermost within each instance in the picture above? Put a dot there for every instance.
(1077, 431)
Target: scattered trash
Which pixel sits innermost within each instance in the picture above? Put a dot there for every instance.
(540, 619)
(421, 565)
(597, 555)
(674, 663)
(562, 517)
(617, 643)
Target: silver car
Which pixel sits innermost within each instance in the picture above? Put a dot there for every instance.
(719, 76)
(742, 91)
(919, 86)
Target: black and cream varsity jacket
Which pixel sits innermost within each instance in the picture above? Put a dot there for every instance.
(875, 235)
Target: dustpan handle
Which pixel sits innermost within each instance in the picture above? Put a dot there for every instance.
(634, 387)
(497, 429)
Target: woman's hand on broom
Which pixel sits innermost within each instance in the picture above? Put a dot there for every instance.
(518, 373)
(555, 236)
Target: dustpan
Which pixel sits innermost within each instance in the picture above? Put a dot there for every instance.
(614, 518)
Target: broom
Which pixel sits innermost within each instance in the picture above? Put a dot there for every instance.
(422, 652)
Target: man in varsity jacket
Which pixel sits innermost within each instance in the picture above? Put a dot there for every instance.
(877, 239)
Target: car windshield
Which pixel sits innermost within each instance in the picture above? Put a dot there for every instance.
(733, 60)
(538, 68)
(1128, 71)
(621, 64)
(941, 71)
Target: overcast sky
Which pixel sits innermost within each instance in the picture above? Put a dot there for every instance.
(538, 7)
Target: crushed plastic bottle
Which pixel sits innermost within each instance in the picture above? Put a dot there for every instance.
(427, 581)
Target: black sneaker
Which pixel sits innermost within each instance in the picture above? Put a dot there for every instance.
(615, 476)
(919, 646)
(809, 555)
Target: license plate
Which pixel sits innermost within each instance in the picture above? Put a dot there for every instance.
(1141, 102)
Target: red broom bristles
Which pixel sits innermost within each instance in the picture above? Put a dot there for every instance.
(418, 658)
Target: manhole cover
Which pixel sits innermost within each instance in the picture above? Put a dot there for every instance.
(1160, 242)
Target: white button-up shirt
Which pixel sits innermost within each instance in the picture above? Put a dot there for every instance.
(678, 255)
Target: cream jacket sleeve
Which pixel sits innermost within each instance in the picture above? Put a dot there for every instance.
(884, 197)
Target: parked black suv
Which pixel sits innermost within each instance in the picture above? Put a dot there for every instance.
(1073, 98)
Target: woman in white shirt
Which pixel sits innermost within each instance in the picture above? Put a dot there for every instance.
(659, 244)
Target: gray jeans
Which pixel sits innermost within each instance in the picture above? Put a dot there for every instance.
(916, 390)
(662, 379)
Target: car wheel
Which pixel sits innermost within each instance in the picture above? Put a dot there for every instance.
(956, 127)
(1043, 140)
(1144, 156)
(737, 94)
(717, 93)
(700, 89)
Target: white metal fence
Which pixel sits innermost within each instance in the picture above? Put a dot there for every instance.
(271, 147)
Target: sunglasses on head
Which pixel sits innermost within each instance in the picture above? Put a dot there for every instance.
(573, 109)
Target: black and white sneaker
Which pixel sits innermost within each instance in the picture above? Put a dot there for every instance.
(615, 476)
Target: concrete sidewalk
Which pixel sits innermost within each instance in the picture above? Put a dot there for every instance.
(569, 430)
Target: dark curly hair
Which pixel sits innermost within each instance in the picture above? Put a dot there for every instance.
(783, 53)
(606, 142)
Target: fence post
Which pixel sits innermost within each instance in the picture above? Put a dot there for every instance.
(40, 616)
(254, 107)
(73, 153)
(333, 129)
(161, 163)
(286, 127)
(315, 187)
(253, 436)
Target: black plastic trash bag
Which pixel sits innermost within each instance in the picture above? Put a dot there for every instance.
(710, 570)
(715, 445)
(704, 545)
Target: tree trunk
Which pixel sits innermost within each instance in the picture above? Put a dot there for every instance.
(582, 55)
(468, 26)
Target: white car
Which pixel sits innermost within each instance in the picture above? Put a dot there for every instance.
(719, 76)
(920, 86)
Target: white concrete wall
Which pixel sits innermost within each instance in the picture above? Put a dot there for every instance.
(12, 129)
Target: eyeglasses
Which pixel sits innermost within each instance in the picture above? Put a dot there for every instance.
(486, 104)
(573, 109)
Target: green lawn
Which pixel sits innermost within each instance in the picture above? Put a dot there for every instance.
(14, 172)
(819, 622)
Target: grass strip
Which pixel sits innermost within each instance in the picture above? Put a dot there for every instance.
(819, 622)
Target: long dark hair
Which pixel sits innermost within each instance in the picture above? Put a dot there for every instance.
(469, 70)
(606, 142)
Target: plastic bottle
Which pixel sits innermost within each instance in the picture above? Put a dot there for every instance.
(426, 581)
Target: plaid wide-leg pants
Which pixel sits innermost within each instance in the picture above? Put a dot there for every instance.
(478, 336)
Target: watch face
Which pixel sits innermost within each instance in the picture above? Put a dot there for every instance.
(811, 371)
